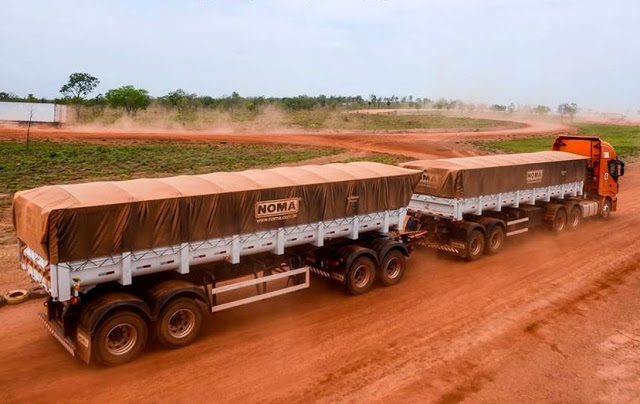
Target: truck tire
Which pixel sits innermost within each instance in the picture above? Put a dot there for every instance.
(605, 212)
(361, 276)
(392, 268)
(560, 220)
(495, 240)
(16, 296)
(179, 323)
(475, 245)
(575, 218)
(119, 338)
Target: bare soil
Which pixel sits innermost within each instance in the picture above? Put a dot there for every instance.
(549, 319)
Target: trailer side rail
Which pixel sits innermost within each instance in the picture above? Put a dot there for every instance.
(455, 208)
(59, 279)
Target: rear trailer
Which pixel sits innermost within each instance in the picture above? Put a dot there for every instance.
(468, 206)
(125, 260)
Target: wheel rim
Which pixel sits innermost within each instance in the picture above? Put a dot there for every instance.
(605, 210)
(560, 222)
(474, 246)
(121, 339)
(361, 276)
(181, 323)
(393, 268)
(496, 240)
(575, 219)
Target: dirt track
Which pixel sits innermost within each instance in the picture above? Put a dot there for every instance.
(551, 318)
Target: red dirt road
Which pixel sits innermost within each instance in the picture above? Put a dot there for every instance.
(549, 319)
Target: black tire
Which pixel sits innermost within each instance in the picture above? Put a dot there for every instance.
(560, 221)
(179, 323)
(575, 219)
(605, 212)
(3, 301)
(475, 245)
(120, 338)
(37, 293)
(361, 276)
(495, 240)
(392, 268)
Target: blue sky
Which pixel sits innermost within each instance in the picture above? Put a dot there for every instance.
(521, 51)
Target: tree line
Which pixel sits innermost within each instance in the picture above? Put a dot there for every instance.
(131, 99)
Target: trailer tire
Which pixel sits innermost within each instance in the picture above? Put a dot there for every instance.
(560, 220)
(361, 276)
(495, 240)
(605, 212)
(475, 245)
(16, 296)
(119, 338)
(179, 323)
(392, 268)
(575, 218)
(3, 301)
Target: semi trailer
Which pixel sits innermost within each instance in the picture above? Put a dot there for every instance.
(468, 206)
(123, 261)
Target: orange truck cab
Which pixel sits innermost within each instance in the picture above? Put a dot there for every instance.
(603, 172)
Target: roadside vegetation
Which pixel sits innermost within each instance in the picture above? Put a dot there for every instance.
(56, 162)
(625, 139)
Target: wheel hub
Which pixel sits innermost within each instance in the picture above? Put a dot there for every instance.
(121, 339)
(181, 323)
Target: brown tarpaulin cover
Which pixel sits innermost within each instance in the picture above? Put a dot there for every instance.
(466, 177)
(81, 221)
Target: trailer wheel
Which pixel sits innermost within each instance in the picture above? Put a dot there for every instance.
(361, 276)
(120, 338)
(392, 268)
(475, 245)
(179, 323)
(575, 218)
(606, 209)
(495, 240)
(559, 221)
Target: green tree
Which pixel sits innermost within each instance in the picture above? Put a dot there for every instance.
(568, 109)
(79, 86)
(499, 107)
(541, 110)
(180, 99)
(128, 97)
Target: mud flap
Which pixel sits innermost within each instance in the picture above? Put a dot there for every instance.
(56, 331)
(83, 339)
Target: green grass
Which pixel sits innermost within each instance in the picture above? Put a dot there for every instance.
(57, 162)
(326, 119)
(625, 139)
(384, 158)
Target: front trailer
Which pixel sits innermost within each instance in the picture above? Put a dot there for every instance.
(105, 309)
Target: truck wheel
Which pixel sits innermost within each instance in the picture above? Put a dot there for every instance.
(575, 218)
(362, 275)
(559, 221)
(392, 268)
(606, 210)
(475, 245)
(179, 323)
(120, 338)
(495, 240)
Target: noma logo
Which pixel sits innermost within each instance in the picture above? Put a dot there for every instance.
(429, 180)
(534, 176)
(277, 210)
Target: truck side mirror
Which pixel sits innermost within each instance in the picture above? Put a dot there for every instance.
(613, 168)
(620, 167)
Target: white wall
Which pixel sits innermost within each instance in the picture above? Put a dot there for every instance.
(20, 111)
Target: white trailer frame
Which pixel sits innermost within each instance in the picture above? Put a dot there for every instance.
(61, 280)
(455, 208)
